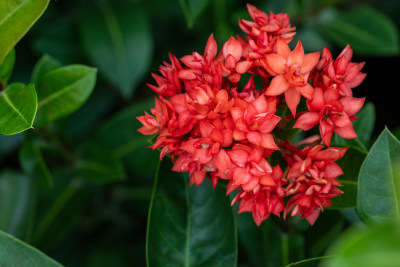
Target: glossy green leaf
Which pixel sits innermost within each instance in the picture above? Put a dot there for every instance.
(18, 105)
(33, 163)
(379, 181)
(189, 226)
(313, 262)
(119, 43)
(43, 66)
(62, 91)
(14, 252)
(367, 247)
(368, 31)
(98, 165)
(6, 68)
(16, 18)
(16, 204)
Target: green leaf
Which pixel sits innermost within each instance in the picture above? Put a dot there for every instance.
(98, 165)
(368, 31)
(127, 143)
(43, 66)
(62, 91)
(348, 199)
(309, 262)
(32, 162)
(18, 105)
(189, 226)
(119, 43)
(16, 204)
(368, 247)
(6, 68)
(192, 9)
(379, 181)
(14, 252)
(16, 18)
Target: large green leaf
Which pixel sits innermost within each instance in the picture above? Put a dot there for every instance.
(6, 68)
(16, 204)
(62, 91)
(16, 18)
(118, 42)
(14, 252)
(379, 181)
(18, 105)
(367, 247)
(368, 31)
(189, 226)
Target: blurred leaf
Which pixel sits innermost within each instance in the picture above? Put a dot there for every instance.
(311, 39)
(32, 162)
(6, 68)
(192, 9)
(45, 64)
(189, 226)
(379, 181)
(9, 144)
(368, 31)
(351, 164)
(14, 252)
(119, 43)
(16, 204)
(16, 18)
(309, 262)
(367, 247)
(18, 105)
(127, 142)
(62, 91)
(98, 165)
(268, 245)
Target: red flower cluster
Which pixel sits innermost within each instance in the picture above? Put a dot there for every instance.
(214, 122)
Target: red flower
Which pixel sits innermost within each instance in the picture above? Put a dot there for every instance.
(333, 115)
(254, 121)
(264, 199)
(312, 180)
(291, 70)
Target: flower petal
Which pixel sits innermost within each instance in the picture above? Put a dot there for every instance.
(276, 63)
(307, 121)
(296, 56)
(292, 97)
(278, 85)
(309, 62)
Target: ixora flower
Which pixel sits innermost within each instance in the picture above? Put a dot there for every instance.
(213, 126)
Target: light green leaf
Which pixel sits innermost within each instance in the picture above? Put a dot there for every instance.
(32, 162)
(6, 68)
(43, 66)
(18, 105)
(16, 18)
(378, 245)
(379, 181)
(368, 31)
(62, 91)
(16, 204)
(14, 252)
(119, 43)
(189, 226)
